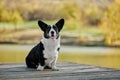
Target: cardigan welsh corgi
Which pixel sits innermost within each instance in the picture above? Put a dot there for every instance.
(44, 55)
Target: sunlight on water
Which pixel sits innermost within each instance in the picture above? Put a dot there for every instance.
(110, 60)
(12, 56)
(17, 53)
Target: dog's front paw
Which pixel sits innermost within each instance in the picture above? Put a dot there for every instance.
(40, 68)
(55, 69)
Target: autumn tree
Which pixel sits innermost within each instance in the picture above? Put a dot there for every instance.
(111, 23)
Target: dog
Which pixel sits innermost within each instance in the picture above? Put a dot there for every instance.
(45, 54)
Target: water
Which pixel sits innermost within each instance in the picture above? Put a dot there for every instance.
(99, 56)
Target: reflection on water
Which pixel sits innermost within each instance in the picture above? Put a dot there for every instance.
(100, 56)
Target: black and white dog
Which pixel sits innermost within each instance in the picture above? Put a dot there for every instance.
(45, 54)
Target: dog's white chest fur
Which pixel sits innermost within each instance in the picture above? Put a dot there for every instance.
(50, 52)
(50, 47)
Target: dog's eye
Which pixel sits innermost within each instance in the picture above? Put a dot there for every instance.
(48, 29)
(55, 28)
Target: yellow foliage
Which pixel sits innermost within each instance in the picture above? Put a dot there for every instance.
(71, 24)
(111, 22)
(9, 14)
(16, 17)
(71, 10)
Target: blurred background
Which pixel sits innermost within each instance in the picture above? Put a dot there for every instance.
(91, 34)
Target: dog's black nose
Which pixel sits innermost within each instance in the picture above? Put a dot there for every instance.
(52, 32)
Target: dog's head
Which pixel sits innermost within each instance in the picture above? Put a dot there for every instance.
(51, 31)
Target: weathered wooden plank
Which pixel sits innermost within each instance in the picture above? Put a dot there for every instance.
(68, 71)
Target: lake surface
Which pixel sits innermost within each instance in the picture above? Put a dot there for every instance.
(99, 56)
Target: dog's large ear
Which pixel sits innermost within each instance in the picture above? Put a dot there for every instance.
(60, 24)
(42, 25)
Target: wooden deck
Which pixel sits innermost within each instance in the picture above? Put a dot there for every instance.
(68, 71)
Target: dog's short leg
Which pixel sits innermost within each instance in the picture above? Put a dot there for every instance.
(53, 64)
(47, 63)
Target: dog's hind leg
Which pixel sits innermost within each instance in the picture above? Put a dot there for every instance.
(31, 64)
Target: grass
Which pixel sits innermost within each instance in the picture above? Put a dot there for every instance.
(28, 24)
(24, 25)
(75, 27)
(8, 32)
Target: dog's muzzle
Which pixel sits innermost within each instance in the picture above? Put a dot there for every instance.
(53, 36)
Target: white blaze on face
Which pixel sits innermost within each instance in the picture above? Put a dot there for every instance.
(52, 33)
